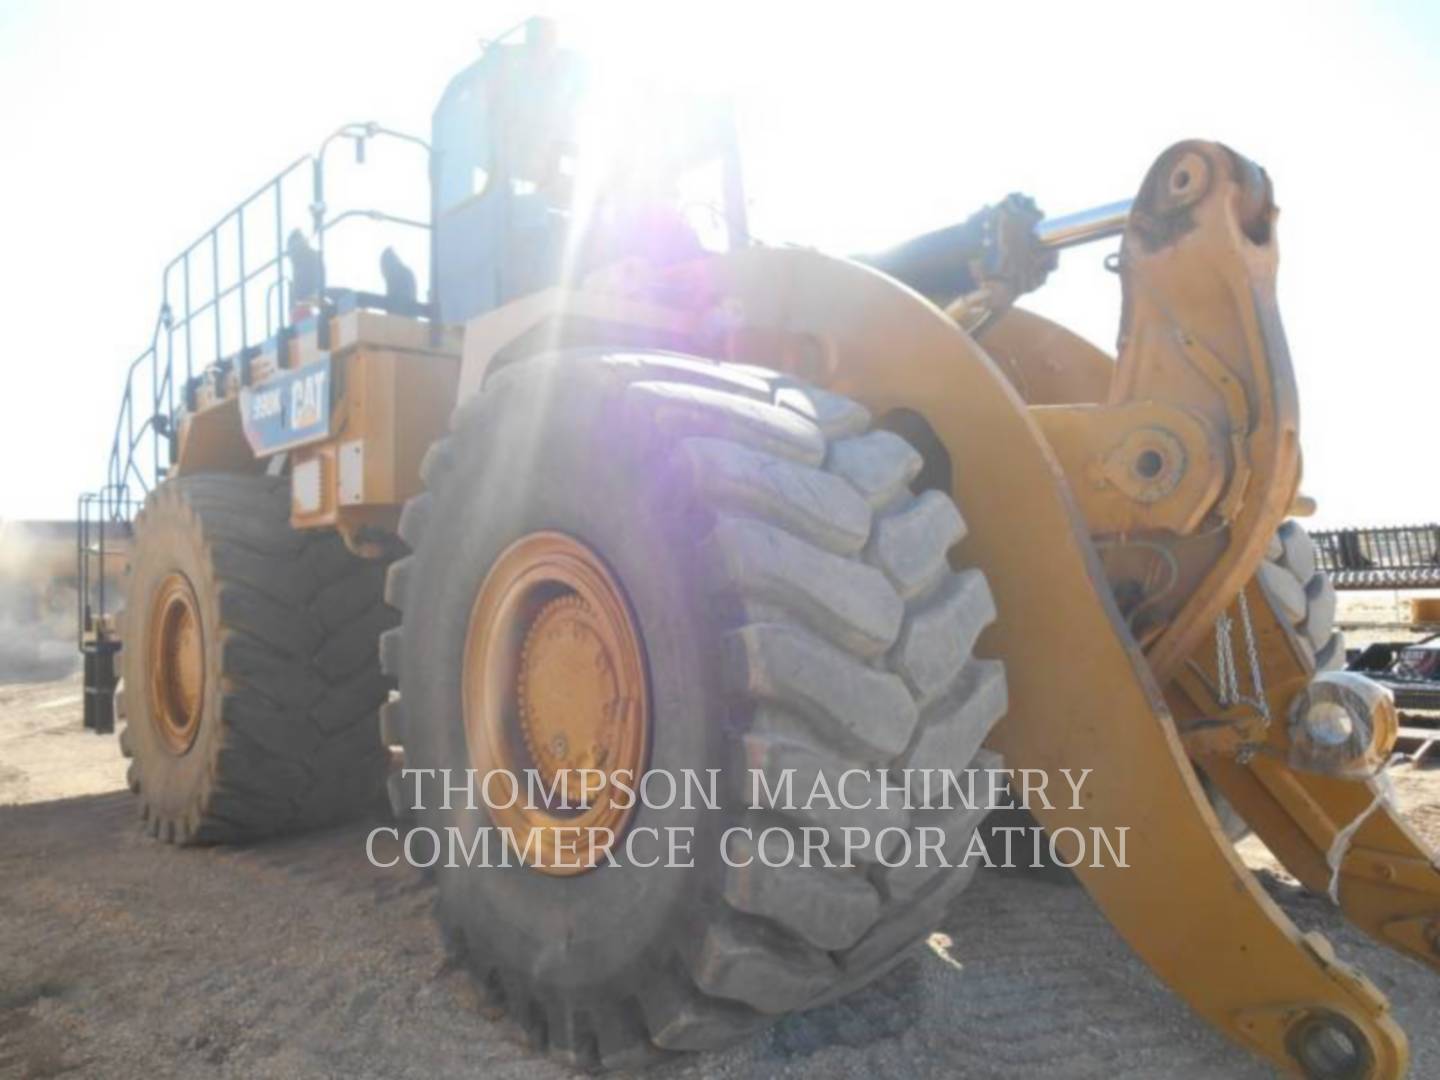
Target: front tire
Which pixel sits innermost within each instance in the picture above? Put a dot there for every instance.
(797, 610)
(1303, 598)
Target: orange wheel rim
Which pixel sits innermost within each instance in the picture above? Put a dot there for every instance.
(177, 663)
(555, 696)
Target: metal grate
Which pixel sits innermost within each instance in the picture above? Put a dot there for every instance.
(1394, 557)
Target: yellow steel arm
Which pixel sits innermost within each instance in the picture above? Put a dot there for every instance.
(1082, 695)
(1388, 882)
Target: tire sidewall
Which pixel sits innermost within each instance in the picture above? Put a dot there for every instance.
(552, 446)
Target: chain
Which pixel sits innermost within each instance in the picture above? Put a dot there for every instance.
(1228, 691)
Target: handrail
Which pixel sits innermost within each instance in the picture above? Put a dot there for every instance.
(128, 463)
(96, 512)
(179, 312)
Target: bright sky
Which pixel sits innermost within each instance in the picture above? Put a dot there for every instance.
(129, 128)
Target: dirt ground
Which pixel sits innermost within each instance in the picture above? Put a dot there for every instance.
(123, 958)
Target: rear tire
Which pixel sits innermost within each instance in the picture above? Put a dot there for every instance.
(251, 681)
(797, 610)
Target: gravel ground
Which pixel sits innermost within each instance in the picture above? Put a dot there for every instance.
(123, 958)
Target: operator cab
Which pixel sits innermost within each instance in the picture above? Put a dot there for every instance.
(542, 172)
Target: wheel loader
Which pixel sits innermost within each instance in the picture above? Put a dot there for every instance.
(627, 491)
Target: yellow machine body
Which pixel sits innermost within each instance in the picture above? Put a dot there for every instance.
(1078, 473)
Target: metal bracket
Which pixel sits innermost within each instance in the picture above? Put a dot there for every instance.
(1201, 329)
(1137, 466)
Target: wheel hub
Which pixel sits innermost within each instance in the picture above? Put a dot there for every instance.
(554, 689)
(570, 692)
(177, 664)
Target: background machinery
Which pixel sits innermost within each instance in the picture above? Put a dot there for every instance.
(626, 490)
(47, 570)
(1401, 654)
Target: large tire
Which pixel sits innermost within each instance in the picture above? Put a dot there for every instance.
(1303, 597)
(797, 608)
(284, 733)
